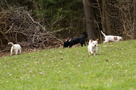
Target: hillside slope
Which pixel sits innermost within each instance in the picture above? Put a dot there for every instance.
(114, 67)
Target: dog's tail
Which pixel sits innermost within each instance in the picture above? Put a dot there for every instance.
(103, 34)
(11, 43)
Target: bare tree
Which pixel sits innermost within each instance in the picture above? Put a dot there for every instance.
(89, 19)
(115, 17)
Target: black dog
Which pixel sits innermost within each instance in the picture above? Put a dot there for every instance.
(81, 40)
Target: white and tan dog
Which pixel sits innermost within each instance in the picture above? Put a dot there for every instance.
(111, 38)
(16, 48)
(93, 47)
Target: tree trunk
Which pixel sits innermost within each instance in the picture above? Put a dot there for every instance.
(89, 19)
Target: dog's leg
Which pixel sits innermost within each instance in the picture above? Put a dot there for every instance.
(89, 53)
(16, 51)
(11, 51)
(105, 41)
(94, 54)
(20, 51)
(81, 44)
(84, 43)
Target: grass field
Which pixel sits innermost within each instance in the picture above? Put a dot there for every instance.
(113, 68)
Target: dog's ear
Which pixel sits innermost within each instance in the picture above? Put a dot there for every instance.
(97, 39)
(69, 39)
(66, 39)
(91, 40)
(121, 39)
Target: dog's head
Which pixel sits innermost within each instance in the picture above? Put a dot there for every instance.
(85, 35)
(120, 39)
(93, 43)
(66, 43)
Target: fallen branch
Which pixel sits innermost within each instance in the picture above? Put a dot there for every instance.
(35, 21)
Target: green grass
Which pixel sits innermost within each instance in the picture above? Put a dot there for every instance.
(113, 68)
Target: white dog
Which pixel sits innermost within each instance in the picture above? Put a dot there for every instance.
(111, 38)
(16, 48)
(93, 47)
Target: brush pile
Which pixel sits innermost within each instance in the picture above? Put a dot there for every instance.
(18, 26)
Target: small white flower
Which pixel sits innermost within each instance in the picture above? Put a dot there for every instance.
(60, 52)
(21, 77)
(126, 70)
(45, 54)
(40, 72)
